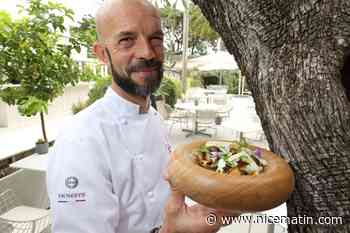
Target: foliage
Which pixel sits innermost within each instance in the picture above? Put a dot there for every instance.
(194, 82)
(99, 89)
(210, 79)
(5, 18)
(193, 79)
(94, 94)
(172, 26)
(40, 141)
(34, 55)
(85, 32)
(229, 78)
(178, 88)
(201, 35)
(78, 106)
(87, 74)
(170, 90)
(231, 81)
(32, 106)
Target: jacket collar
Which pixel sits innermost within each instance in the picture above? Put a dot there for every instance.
(120, 105)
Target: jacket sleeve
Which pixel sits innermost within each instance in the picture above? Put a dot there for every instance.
(82, 199)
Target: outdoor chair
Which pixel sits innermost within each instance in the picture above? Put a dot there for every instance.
(219, 99)
(17, 218)
(206, 119)
(193, 94)
(225, 111)
(173, 116)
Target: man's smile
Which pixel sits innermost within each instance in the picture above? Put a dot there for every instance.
(145, 72)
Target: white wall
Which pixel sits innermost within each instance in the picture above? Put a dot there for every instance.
(3, 114)
(61, 106)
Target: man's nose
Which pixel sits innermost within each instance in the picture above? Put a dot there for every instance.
(145, 50)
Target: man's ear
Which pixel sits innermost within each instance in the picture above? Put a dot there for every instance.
(100, 52)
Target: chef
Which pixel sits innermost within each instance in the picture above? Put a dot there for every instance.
(105, 170)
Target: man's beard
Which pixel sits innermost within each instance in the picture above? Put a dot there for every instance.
(124, 81)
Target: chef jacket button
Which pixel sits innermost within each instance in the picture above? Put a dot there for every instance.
(139, 157)
(150, 194)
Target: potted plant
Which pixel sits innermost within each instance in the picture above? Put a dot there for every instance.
(41, 146)
(33, 55)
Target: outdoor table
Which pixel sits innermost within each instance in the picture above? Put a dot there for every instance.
(215, 92)
(192, 107)
(243, 126)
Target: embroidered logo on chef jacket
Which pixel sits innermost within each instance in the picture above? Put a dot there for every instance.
(71, 183)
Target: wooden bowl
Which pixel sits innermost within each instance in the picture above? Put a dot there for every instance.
(240, 193)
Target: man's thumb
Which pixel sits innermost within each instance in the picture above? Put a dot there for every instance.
(175, 202)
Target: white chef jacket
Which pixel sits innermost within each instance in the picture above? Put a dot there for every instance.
(105, 170)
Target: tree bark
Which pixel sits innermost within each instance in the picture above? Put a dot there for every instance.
(42, 120)
(294, 55)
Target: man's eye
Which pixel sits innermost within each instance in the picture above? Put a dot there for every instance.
(157, 41)
(126, 42)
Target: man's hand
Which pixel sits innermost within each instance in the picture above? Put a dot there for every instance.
(180, 218)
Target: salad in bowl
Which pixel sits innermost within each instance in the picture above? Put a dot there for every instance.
(230, 158)
(231, 175)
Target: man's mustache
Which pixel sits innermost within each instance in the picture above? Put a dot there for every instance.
(144, 64)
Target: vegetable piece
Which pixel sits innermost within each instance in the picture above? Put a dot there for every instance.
(234, 158)
(221, 165)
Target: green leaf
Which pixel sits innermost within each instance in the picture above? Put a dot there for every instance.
(203, 149)
(31, 106)
(32, 56)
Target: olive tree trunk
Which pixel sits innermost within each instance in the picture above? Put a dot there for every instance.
(295, 56)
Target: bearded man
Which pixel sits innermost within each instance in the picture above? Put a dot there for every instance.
(105, 170)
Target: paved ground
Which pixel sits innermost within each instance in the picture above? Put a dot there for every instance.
(14, 140)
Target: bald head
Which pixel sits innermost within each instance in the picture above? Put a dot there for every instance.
(115, 10)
